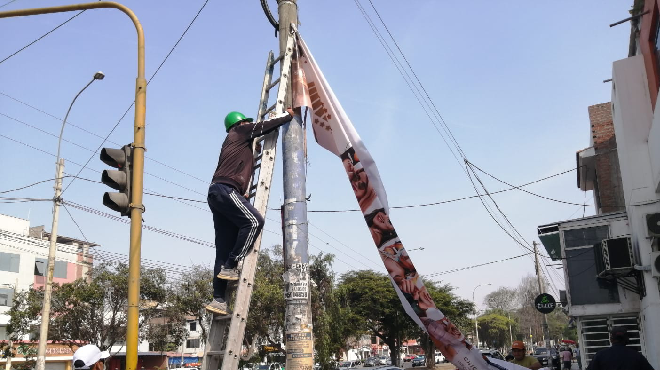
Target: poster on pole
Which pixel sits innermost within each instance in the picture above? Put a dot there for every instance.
(334, 131)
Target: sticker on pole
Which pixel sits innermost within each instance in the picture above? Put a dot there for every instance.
(545, 303)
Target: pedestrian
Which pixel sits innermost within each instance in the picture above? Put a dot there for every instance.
(521, 358)
(89, 357)
(578, 356)
(619, 356)
(566, 357)
(237, 223)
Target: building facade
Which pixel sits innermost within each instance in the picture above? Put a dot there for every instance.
(23, 261)
(611, 260)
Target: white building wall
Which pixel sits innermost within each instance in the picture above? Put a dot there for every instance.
(633, 118)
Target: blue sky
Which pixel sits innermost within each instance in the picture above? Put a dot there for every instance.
(512, 80)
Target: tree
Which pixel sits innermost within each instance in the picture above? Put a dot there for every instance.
(527, 315)
(90, 310)
(265, 323)
(503, 298)
(379, 311)
(494, 328)
(334, 322)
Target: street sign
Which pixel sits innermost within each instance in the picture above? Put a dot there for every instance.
(545, 303)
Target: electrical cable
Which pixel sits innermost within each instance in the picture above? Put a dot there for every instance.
(469, 172)
(42, 36)
(28, 186)
(473, 266)
(519, 188)
(269, 15)
(7, 3)
(99, 136)
(447, 201)
(133, 103)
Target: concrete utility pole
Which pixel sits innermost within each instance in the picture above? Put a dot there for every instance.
(546, 331)
(298, 316)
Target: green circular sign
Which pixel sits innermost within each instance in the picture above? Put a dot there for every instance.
(545, 303)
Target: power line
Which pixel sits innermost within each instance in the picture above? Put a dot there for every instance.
(133, 103)
(471, 174)
(474, 266)
(519, 188)
(28, 186)
(450, 200)
(7, 3)
(42, 36)
(99, 136)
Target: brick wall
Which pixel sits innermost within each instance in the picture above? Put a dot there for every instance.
(608, 184)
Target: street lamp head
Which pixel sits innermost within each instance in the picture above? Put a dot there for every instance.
(99, 75)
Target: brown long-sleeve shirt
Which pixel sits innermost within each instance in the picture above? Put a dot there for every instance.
(236, 160)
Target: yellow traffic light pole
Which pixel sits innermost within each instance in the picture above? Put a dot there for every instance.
(138, 167)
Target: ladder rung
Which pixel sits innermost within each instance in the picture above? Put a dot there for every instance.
(270, 109)
(274, 83)
(215, 353)
(252, 194)
(221, 317)
(257, 158)
(276, 60)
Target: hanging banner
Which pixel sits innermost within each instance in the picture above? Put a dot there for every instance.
(334, 131)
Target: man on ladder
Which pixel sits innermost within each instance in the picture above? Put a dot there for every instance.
(237, 223)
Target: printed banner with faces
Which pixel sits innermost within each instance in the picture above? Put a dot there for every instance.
(334, 131)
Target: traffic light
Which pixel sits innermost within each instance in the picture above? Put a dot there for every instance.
(120, 179)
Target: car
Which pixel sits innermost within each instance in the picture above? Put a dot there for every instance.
(439, 357)
(408, 358)
(371, 361)
(541, 354)
(344, 365)
(491, 353)
(419, 361)
(384, 360)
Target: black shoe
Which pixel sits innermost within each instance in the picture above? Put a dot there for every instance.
(229, 274)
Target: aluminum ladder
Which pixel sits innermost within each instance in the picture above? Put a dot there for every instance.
(223, 347)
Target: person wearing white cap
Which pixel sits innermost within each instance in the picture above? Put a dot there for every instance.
(89, 357)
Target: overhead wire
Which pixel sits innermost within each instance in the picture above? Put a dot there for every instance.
(41, 37)
(7, 3)
(505, 224)
(148, 82)
(99, 136)
(473, 266)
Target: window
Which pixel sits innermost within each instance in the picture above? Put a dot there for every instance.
(40, 268)
(192, 343)
(9, 261)
(6, 296)
(585, 287)
(193, 326)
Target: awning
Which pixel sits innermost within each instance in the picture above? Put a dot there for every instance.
(552, 244)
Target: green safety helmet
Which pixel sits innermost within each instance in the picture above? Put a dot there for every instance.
(234, 118)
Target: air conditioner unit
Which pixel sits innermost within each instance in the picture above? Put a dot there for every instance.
(617, 257)
(653, 224)
(655, 264)
(563, 298)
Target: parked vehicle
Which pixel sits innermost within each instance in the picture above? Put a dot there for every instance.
(371, 361)
(345, 365)
(541, 354)
(384, 360)
(492, 353)
(408, 358)
(419, 361)
(439, 358)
